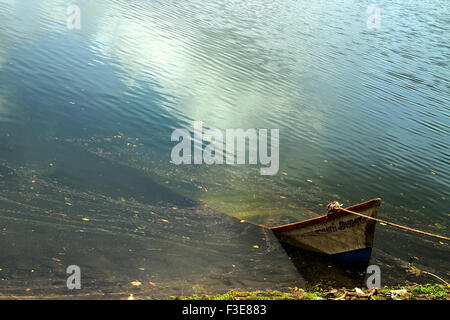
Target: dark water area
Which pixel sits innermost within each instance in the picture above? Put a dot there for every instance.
(86, 118)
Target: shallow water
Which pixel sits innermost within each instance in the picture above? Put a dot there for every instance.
(86, 118)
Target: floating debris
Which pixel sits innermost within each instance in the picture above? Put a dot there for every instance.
(439, 226)
(136, 283)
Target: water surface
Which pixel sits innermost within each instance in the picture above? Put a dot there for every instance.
(86, 118)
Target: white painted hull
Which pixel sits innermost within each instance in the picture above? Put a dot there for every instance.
(334, 234)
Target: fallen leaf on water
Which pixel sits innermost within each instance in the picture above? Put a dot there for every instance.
(151, 283)
(256, 246)
(85, 219)
(282, 197)
(164, 220)
(308, 180)
(56, 259)
(312, 213)
(242, 221)
(136, 283)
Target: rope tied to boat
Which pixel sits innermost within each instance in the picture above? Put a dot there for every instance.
(334, 207)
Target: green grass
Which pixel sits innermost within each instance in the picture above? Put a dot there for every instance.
(413, 292)
(436, 291)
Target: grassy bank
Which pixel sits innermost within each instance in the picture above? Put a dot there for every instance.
(410, 292)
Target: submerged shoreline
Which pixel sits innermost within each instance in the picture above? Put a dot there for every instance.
(410, 291)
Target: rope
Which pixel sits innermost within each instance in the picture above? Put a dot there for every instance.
(431, 274)
(335, 206)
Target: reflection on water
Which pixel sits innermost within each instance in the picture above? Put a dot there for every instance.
(86, 117)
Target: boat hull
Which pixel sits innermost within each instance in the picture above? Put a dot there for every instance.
(341, 234)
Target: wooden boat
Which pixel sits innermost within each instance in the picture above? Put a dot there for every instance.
(341, 234)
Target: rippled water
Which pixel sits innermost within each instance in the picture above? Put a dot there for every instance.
(86, 118)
